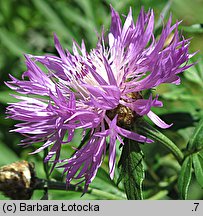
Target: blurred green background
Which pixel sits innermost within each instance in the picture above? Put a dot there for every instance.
(27, 26)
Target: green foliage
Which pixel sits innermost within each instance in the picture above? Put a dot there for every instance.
(195, 74)
(196, 141)
(198, 168)
(14, 43)
(148, 131)
(184, 178)
(7, 155)
(196, 28)
(132, 169)
(5, 97)
(193, 160)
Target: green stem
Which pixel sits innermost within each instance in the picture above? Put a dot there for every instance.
(144, 128)
(55, 185)
(46, 165)
(159, 195)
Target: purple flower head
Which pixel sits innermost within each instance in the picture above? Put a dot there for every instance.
(99, 92)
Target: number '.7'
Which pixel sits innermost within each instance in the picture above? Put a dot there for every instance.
(196, 206)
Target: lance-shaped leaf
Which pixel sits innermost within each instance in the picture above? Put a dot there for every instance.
(185, 177)
(131, 169)
(197, 160)
(196, 141)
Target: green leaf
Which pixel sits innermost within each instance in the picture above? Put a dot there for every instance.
(69, 195)
(132, 170)
(73, 15)
(13, 43)
(198, 168)
(5, 97)
(7, 155)
(54, 20)
(160, 195)
(185, 177)
(87, 6)
(196, 141)
(142, 127)
(179, 94)
(164, 12)
(195, 73)
(104, 183)
(196, 28)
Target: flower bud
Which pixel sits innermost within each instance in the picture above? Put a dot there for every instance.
(17, 180)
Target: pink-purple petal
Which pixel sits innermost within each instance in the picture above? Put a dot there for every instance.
(160, 123)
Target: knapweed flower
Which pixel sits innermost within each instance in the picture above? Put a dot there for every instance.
(99, 91)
